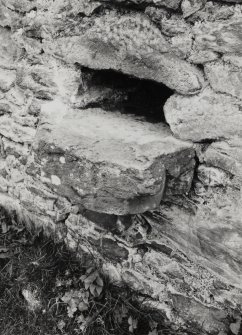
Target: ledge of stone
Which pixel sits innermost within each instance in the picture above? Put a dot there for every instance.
(113, 163)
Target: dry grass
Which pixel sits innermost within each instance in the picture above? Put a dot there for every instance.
(30, 263)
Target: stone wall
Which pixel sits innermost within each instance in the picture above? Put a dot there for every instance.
(121, 133)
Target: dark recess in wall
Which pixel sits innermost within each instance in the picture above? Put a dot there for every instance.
(127, 94)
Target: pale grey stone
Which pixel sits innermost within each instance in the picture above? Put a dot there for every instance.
(224, 78)
(190, 7)
(220, 36)
(205, 116)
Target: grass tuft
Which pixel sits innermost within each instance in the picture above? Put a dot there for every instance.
(45, 289)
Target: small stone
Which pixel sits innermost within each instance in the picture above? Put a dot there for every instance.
(208, 115)
(224, 78)
(235, 327)
(7, 79)
(224, 155)
(55, 180)
(202, 56)
(15, 131)
(31, 296)
(233, 59)
(190, 7)
(211, 176)
(221, 36)
(62, 160)
(8, 49)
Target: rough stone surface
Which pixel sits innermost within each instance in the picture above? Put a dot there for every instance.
(225, 155)
(208, 115)
(104, 107)
(116, 164)
(147, 57)
(7, 79)
(224, 78)
(224, 36)
(190, 7)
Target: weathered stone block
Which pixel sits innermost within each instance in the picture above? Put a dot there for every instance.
(7, 79)
(113, 163)
(16, 131)
(190, 7)
(208, 115)
(224, 78)
(221, 36)
(133, 45)
(211, 176)
(8, 50)
(225, 155)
